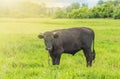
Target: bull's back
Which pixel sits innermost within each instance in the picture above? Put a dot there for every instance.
(74, 38)
(75, 34)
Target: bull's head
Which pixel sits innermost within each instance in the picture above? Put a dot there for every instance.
(48, 39)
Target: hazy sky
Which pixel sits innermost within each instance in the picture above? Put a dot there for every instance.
(51, 3)
(62, 3)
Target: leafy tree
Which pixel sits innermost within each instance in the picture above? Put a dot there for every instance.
(116, 14)
(96, 11)
(107, 10)
(69, 9)
(83, 12)
(73, 6)
(100, 2)
(59, 13)
(103, 11)
(116, 2)
(84, 5)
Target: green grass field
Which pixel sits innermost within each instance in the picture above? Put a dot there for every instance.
(23, 55)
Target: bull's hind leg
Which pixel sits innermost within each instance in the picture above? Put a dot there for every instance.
(88, 55)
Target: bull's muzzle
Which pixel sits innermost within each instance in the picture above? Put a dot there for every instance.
(49, 49)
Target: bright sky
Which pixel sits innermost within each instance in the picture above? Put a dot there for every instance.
(62, 3)
(49, 3)
(9, 3)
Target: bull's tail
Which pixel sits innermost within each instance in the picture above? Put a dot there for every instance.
(93, 48)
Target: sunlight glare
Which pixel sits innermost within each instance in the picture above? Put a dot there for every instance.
(7, 3)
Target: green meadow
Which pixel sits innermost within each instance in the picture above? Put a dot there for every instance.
(23, 55)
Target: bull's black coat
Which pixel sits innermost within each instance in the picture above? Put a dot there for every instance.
(69, 41)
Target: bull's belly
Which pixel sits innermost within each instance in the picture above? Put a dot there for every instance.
(71, 51)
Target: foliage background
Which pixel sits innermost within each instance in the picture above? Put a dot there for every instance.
(27, 9)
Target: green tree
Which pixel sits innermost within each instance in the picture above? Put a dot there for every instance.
(83, 12)
(116, 14)
(59, 13)
(96, 11)
(73, 6)
(107, 10)
(103, 11)
(100, 2)
(116, 2)
(84, 5)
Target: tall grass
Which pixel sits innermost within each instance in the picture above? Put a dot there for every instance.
(23, 55)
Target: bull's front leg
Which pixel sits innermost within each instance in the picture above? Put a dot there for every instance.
(55, 58)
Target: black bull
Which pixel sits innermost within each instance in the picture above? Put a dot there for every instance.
(70, 41)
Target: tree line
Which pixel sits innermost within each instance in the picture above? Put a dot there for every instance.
(108, 9)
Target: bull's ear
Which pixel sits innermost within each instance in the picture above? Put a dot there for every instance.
(55, 34)
(41, 36)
